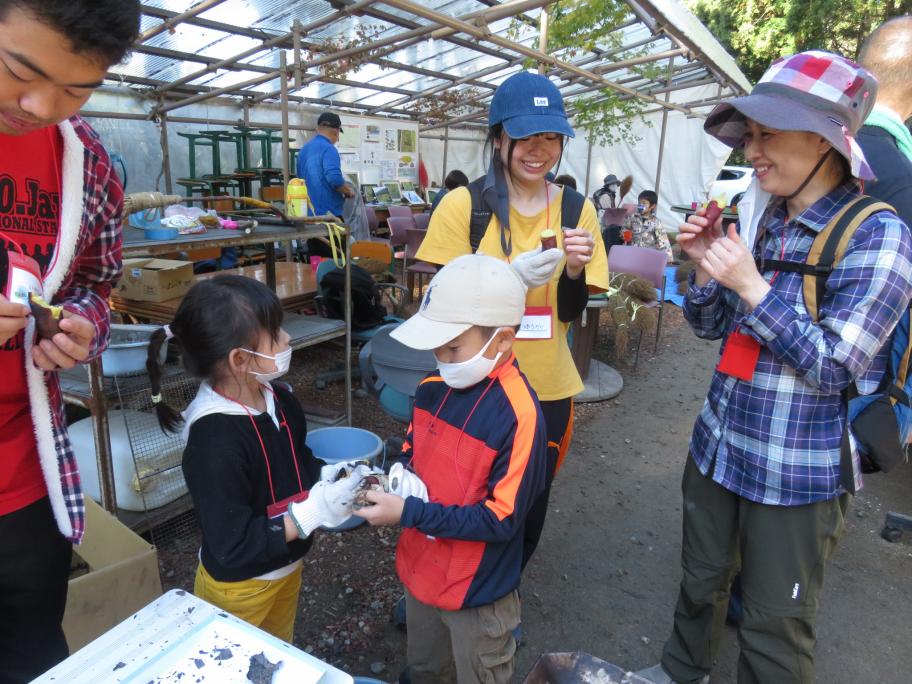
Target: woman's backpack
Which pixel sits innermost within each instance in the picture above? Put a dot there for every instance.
(882, 421)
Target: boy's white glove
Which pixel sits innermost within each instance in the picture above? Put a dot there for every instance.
(329, 504)
(536, 267)
(405, 483)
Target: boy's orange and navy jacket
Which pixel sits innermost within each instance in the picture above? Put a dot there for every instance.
(481, 452)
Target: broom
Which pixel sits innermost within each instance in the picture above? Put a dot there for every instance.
(626, 184)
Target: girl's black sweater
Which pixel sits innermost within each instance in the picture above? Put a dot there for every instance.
(226, 474)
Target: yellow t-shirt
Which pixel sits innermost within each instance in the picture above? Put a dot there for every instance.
(547, 363)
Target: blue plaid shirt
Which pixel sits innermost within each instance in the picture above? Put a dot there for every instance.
(776, 438)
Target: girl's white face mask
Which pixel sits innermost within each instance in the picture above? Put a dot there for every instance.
(471, 372)
(282, 362)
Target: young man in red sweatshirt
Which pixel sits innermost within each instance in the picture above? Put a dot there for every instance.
(477, 444)
(60, 205)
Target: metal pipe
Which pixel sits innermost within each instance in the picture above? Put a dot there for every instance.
(166, 156)
(285, 144)
(542, 37)
(98, 404)
(446, 145)
(634, 61)
(658, 179)
(348, 329)
(588, 166)
(168, 24)
(224, 63)
(420, 32)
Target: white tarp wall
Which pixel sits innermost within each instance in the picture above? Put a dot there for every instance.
(690, 163)
(371, 146)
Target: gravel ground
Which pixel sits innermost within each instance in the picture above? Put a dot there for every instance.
(605, 576)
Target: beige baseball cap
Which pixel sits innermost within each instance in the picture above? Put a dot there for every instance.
(470, 290)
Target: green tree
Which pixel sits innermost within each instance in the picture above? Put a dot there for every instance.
(756, 32)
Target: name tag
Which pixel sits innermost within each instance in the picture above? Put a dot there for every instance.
(23, 276)
(536, 324)
(279, 508)
(739, 359)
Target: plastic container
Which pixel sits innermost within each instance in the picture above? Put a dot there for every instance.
(338, 444)
(296, 197)
(147, 483)
(368, 680)
(128, 348)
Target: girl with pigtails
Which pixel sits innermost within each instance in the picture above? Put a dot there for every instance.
(256, 486)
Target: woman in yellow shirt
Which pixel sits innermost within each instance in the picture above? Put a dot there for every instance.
(528, 127)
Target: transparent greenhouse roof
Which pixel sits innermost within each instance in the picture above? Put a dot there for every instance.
(437, 61)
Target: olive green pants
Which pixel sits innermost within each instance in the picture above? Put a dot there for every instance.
(468, 646)
(780, 552)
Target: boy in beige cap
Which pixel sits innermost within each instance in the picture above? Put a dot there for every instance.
(477, 440)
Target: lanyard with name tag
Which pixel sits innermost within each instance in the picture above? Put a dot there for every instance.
(536, 324)
(23, 276)
(739, 359)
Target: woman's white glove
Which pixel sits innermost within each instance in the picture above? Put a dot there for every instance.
(405, 483)
(536, 267)
(329, 504)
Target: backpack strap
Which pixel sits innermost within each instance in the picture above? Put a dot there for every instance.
(571, 207)
(830, 245)
(481, 214)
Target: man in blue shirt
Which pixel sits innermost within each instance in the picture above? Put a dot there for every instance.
(320, 167)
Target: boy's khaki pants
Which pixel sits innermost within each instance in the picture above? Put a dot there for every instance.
(469, 646)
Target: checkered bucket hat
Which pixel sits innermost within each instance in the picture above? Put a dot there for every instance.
(812, 91)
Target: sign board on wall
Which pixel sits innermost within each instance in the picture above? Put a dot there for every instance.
(379, 149)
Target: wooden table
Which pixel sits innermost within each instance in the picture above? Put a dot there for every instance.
(136, 244)
(296, 287)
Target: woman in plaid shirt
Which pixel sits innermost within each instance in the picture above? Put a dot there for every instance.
(764, 490)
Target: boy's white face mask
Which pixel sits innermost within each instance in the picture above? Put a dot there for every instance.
(282, 362)
(471, 372)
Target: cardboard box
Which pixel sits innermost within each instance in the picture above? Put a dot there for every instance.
(155, 280)
(123, 577)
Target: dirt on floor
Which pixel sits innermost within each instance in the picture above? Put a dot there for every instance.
(604, 579)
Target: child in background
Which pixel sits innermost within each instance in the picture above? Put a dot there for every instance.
(246, 454)
(646, 228)
(477, 441)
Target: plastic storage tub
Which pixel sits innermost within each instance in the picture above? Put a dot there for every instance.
(338, 444)
(160, 479)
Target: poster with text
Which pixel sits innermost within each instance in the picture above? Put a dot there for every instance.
(390, 139)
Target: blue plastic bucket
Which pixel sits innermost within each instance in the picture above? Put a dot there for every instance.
(368, 680)
(337, 444)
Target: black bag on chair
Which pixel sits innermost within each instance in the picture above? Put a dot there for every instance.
(367, 311)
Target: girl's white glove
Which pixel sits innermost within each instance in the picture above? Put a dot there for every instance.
(405, 483)
(536, 267)
(329, 504)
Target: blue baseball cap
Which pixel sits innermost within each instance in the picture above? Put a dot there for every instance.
(527, 104)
